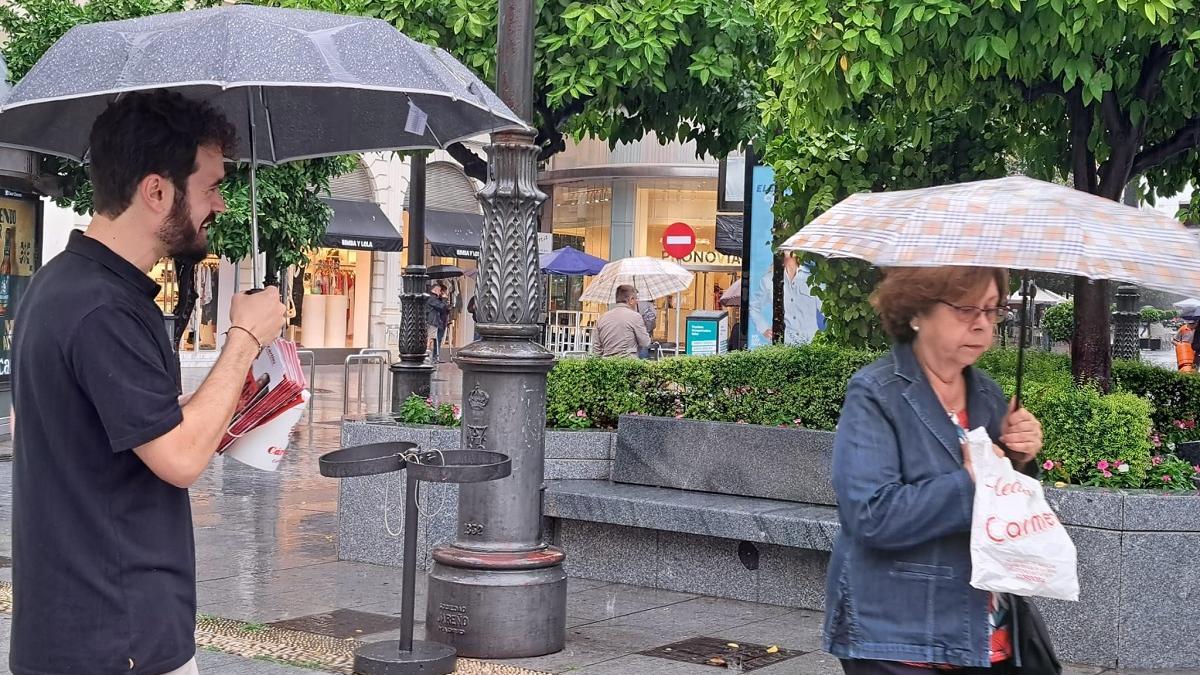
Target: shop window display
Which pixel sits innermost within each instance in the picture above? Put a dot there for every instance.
(18, 260)
(329, 312)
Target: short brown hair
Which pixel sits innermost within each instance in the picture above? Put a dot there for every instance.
(905, 292)
(624, 293)
(155, 132)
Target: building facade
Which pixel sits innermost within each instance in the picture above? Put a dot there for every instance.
(617, 203)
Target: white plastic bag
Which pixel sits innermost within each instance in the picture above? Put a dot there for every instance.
(1018, 544)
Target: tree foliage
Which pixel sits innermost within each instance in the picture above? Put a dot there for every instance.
(817, 169)
(614, 69)
(1097, 90)
(291, 216)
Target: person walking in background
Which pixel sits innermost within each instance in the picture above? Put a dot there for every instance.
(437, 318)
(898, 596)
(649, 317)
(621, 331)
(104, 446)
(471, 309)
(1187, 344)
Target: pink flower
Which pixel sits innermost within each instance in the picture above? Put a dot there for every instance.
(1108, 474)
(1196, 468)
(1166, 479)
(580, 413)
(1156, 440)
(1047, 465)
(1102, 464)
(1156, 460)
(797, 421)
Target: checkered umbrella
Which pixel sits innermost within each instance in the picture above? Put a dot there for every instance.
(1015, 223)
(652, 277)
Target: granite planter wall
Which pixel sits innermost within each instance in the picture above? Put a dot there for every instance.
(1140, 584)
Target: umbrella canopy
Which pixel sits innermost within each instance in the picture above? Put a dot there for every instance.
(315, 84)
(653, 278)
(732, 297)
(444, 272)
(1015, 223)
(1043, 297)
(568, 261)
(1191, 305)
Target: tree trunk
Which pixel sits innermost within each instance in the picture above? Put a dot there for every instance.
(1091, 346)
(1091, 349)
(778, 326)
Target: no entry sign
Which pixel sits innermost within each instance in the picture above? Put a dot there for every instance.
(679, 240)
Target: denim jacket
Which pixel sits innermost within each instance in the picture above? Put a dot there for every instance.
(899, 577)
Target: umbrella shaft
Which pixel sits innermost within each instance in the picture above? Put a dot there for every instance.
(256, 281)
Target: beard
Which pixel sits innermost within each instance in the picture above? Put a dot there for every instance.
(182, 240)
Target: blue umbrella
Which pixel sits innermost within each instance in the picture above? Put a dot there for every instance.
(571, 262)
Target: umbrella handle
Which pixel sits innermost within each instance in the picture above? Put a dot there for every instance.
(1028, 292)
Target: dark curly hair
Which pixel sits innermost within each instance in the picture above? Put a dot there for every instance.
(906, 292)
(146, 133)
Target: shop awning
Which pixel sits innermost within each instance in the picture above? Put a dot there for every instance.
(360, 225)
(453, 235)
(729, 235)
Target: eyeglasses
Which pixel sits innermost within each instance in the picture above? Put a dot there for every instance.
(971, 313)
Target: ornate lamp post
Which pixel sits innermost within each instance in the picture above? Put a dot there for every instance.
(499, 591)
(413, 374)
(1128, 320)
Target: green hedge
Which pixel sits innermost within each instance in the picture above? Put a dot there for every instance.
(1085, 432)
(1175, 398)
(772, 385)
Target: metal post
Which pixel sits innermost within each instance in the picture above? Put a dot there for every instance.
(1128, 319)
(500, 574)
(253, 193)
(409, 574)
(412, 375)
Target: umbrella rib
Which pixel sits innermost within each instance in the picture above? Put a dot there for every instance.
(262, 97)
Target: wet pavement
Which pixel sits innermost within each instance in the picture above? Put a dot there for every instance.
(267, 551)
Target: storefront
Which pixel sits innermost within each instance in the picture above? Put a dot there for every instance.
(331, 298)
(614, 217)
(20, 256)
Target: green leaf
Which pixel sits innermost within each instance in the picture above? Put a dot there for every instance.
(1000, 47)
(885, 74)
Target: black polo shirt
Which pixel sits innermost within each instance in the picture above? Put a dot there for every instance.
(104, 564)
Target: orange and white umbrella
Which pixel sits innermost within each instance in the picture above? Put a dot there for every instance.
(1015, 223)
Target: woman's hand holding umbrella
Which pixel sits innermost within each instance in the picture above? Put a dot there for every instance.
(1021, 434)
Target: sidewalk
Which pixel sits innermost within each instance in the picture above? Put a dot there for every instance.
(266, 553)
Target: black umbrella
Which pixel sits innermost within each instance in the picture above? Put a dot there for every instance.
(297, 84)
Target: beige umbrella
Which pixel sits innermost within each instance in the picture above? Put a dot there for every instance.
(1015, 223)
(652, 277)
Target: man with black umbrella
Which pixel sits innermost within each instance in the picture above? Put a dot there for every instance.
(104, 446)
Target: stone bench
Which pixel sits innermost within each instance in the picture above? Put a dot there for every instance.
(730, 510)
